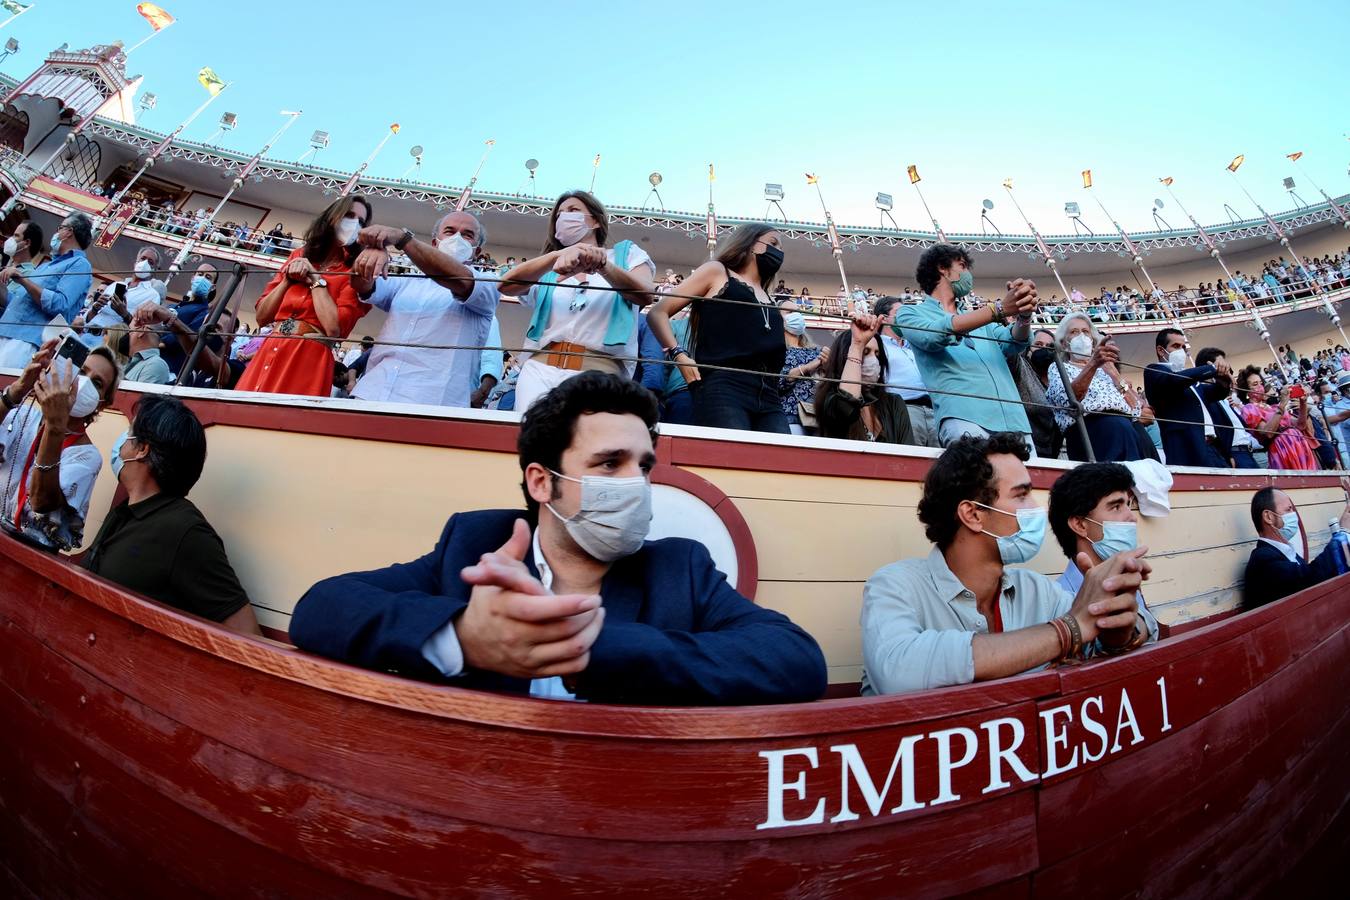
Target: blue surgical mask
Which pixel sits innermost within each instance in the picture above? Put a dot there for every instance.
(55, 243)
(1289, 527)
(117, 460)
(1117, 537)
(201, 286)
(963, 285)
(1024, 543)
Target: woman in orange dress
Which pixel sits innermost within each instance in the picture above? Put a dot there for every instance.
(312, 296)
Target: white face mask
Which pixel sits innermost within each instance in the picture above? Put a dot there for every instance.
(570, 228)
(11, 246)
(794, 323)
(614, 516)
(347, 230)
(1080, 345)
(1177, 360)
(143, 268)
(871, 369)
(455, 247)
(86, 398)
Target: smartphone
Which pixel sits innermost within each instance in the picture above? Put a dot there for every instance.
(1296, 392)
(70, 348)
(120, 289)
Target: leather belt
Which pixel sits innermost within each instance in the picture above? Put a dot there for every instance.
(562, 355)
(295, 326)
(919, 401)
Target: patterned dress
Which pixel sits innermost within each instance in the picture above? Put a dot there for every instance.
(793, 390)
(1291, 448)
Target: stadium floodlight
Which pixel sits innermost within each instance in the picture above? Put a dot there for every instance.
(654, 180)
(228, 121)
(11, 47)
(773, 192)
(317, 141)
(148, 101)
(885, 202)
(1075, 214)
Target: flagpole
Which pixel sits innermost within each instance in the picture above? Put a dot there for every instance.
(1257, 321)
(17, 14)
(1040, 243)
(1135, 255)
(164, 145)
(238, 182)
(145, 40)
(1284, 242)
(468, 190)
(835, 249)
(711, 224)
(1345, 220)
(595, 167)
(914, 180)
(351, 182)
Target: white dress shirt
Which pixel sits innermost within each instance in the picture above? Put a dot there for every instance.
(139, 293)
(423, 312)
(903, 377)
(1287, 549)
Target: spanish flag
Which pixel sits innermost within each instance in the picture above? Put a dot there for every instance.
(913, 174)
(1237, 161)
(1295, 157)
(1087, 178)
(210, 80)
(711, 176)
(811, 179)
(1007, 183)
(158, 18)
(394, 128)
(1167, 181)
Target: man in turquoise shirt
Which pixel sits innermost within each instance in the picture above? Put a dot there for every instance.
(963, 357)
(58, 287)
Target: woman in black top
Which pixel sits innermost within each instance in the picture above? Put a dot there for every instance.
(851, 400)
(734, 325)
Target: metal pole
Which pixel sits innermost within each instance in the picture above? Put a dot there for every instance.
(1078, 418)
(236, 276)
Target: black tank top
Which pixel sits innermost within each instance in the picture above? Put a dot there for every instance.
(747, 334)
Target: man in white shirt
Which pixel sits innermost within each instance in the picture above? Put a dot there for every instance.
(447, 307)
(1226, 419)
(140, 288)
(904, 379)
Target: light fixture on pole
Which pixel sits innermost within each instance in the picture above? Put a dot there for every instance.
(530, 165)
(148, 102)
(11, 47)
(1294, 158)
(1233, 217)
(317, 141)
(654, 180)
(987, 205)
(1075, 214)
(416, 154)
(773, 193)
(885, 203)
(1136, 255)
(1157, 217)
(226, 123)
(1289, 186)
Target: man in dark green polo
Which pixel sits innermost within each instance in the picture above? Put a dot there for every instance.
(156, 541)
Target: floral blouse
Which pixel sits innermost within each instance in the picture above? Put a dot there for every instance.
(1102, 395)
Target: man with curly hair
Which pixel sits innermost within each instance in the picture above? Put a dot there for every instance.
(965, 613)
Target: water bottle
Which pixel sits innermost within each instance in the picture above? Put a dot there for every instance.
(1341, 541)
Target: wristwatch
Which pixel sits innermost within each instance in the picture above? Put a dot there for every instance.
(403, 241)
(318, 282)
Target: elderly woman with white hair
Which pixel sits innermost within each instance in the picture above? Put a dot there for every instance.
(1110, 407)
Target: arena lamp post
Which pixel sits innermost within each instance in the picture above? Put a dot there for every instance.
(837, 251)
(238, 182)
(1294, 158)
(1285, 243)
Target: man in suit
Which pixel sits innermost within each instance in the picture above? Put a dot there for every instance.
(1232, 440)
(1178, 392)
(1275, 569)
(579, 606)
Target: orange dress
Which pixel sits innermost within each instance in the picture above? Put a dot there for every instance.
(286, 365)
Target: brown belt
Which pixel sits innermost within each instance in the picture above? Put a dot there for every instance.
(577, 357)
(294, 326)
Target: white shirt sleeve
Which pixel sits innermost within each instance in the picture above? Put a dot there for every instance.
(386, 289)
(638, 257)
(442, 650)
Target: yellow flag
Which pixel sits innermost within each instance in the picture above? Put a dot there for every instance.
(210, 80)
(1295, 157)
(811, 179)
(711, 175)
(1167, 181)
(157, 17)
(1087, 178)
(1007, 183)
(597, 160)
(394, 128)
(490, 142)
(1237, 161)
(913, 174)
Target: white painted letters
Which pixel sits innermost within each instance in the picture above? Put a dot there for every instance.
(945, 763)
(1057, 738)
(1093, 726)
(852, 768)
(1126, 717)
(1162, 693)
(998, 754)
(777, 788)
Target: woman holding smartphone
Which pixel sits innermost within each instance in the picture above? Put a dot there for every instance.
(1110, 408)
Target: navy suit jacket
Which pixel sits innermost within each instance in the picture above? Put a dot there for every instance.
(1270, 576)
(1170, 395)
(675, 632)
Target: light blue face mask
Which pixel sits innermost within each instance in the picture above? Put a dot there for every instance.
(1289, 527)
(201, 286)
(55, 243)
(1117, 537)
(117, 460)
(1024, 543)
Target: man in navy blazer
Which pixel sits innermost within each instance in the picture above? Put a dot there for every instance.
(1179, 395)
(1275, 569)
(579, 607)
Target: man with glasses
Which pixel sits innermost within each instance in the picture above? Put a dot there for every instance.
(58, 287)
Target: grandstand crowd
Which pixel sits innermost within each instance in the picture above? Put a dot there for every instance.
(608, 356)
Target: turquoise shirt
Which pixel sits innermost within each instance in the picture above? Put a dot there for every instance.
(965, 364)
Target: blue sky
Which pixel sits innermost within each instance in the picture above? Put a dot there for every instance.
(971, 92)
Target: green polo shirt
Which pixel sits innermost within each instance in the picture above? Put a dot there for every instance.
(164, 548)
